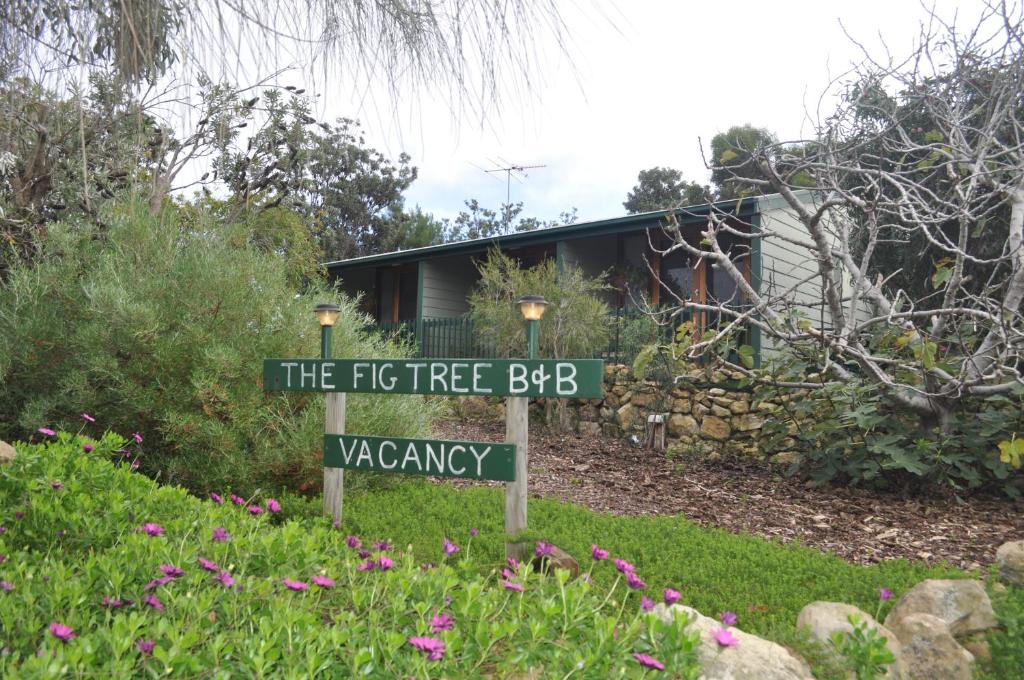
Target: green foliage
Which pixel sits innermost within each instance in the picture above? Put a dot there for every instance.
(574, 324)
(854, 433)
(663, 189)
(1005, 642)
(160, 325)
(864, 649)
(81, 542)
(731, 155)
(477, 221)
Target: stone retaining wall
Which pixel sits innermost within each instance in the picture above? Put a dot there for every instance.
(706, 413)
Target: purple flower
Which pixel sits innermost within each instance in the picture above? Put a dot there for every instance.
(634, 581)
(152, 601)
(543, 549)
(208, 565)
(352, 542)
(137, 437)
(728, 618)
(363, 554)
(323, 581)
(255, 510)
(646, 603)
(724, 637)
(273, 505)
(450, 548)
(6, 586)
(382, 546)
(134, 465)
(473, 533)
(512, 564)
(671, 596)
(145, 647)
(225, 579)
(441, 622)
(215, 497)
(115, 602)
(624, 566)
(336, 524)
(507, 575)
(18, 514)
(62, 632)
(221, 534)
(433, 647)
(56, 485)
(49, 433)
(3, 530)
(237, 500)
(3, 558)
(87, 448)
(171, 570)
(368, 565)
(509, 585)
(152, 529)
(884, 594)
(295, 585)
(597, 553)
(157, 582)
(88, 418)
(385, 563)
(648, 661)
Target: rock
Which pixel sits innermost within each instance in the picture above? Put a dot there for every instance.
(699, 411)
(786, 458)
(751, 659)
(930, 652)
(625, 417)
(978, 647)
(681, 406)
(714, 427)
(619, 390)
(720, 411)
(963, 605)
(822, 619)
(7, 452)
(716, 392)
(607, 413)
(642, 399)
(679, 425)
(589, 428)
(739, 407)
(748, 421)
(611, 430)
(1010, 558)
(558, 559)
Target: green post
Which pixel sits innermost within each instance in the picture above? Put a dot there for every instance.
(532, 334)
(325, 342)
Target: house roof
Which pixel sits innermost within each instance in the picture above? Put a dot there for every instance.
(616, 225)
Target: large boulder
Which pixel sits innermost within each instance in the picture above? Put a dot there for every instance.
(930, 652)
(752, 658)
(556, 559)
(7, 452)
(963, 605)
(1010, 558)
(823, 619)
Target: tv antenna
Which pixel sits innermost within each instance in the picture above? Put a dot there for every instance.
(511, 170)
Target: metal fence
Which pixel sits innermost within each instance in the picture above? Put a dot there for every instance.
(630, 330)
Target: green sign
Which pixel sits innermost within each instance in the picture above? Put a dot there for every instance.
(471, 460)
(580, 378)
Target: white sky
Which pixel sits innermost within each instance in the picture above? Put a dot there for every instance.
(651, 77)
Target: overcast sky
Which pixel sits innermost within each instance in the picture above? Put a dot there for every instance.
(651, 78)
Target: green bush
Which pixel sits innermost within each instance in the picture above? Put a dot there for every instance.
(574, 325)
(159, 325)
(263, 607)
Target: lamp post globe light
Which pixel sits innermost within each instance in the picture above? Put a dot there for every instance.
(327, 315)
(532, 308)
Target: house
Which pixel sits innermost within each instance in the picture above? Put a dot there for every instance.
(425, 289)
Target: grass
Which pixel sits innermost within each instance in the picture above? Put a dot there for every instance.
(766, 583)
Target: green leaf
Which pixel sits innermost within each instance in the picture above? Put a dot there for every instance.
(746, 354)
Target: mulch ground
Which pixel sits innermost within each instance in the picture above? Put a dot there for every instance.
(747, 496)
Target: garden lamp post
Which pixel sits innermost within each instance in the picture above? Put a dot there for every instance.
(334, 478)
(532, 308)
(327, 315)
(517, 431)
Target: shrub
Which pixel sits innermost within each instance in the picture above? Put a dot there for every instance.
(159, 325)
(274, 598)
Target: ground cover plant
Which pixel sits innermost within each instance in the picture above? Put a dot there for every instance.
(104, 571)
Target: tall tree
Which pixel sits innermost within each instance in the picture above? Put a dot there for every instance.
(731, 153)
(661, 188)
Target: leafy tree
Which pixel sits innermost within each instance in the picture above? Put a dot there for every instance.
(663, 188)
(417, 229)
(731, 153)
(480, 222)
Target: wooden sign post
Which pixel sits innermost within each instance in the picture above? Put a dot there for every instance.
(517, 379)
